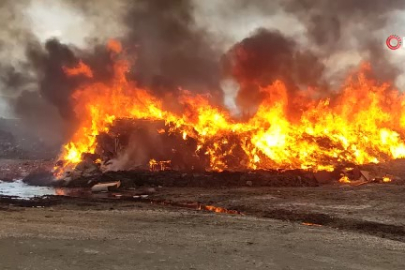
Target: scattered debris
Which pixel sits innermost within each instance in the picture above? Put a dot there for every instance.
(106, 187)
(368, 176)
(357, 177)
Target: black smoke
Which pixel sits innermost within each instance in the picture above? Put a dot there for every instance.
(265, 57)
(331, 28)
(173, 51)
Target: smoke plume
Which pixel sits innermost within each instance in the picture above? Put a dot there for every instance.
(265, 57)
(335, 26)
(171, 50)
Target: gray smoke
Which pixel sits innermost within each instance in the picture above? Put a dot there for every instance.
(335, 26)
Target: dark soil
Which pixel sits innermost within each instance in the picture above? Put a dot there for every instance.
(130, 179)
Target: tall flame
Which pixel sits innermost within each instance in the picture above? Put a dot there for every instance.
(363, 123)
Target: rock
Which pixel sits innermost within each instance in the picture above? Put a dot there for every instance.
(249, 183)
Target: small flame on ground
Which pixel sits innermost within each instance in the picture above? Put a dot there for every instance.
(387, 179)
(344, 180)
(311, 224)
(196, 206)
(216, 209)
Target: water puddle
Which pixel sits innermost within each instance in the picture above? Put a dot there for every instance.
(20, 189)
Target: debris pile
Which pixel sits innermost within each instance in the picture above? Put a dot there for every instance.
(144, 144)
(366, 174)
(11, 170)
(131, 179)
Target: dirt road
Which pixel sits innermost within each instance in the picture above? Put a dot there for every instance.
(140, 237)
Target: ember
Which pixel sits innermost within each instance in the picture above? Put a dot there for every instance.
(387, 179)
(159, 165)
(311, 224)
(344, 179)
(363, 124)
(197, 206)
(215, 209)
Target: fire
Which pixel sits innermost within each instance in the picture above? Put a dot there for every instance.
(80, 69)
(344, 180)
(216, 209)
(159, 165)
(311, 224)
(386, 179)
(363, 123)
(60, 192)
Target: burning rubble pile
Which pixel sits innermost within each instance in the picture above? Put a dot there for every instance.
(125, 127)
(153, 100)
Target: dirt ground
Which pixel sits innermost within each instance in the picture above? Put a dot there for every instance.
(285, 228)
(141, 237)
(375, 209)
(325, 227)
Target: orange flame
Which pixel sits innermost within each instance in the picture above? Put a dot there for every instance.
(364, 123)
(344, 180)
(386, 179)
(81, 68)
